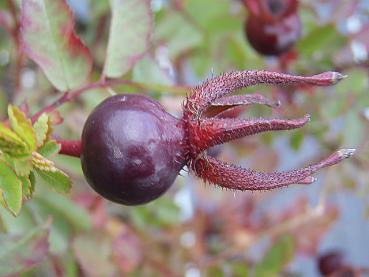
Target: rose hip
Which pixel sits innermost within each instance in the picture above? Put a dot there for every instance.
(132, 149)
(273, 26)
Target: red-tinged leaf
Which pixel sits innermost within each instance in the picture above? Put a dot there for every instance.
(130, 34)
(20, 253)
(49, 40)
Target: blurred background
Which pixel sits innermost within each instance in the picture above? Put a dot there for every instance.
(198, 229)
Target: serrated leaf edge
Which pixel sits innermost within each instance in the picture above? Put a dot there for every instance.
(12, 118)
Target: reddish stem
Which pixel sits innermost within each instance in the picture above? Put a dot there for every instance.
(70, 147)
(12, 8)
(100, 29)
(15, 32)
(70, 95)
(67, 96)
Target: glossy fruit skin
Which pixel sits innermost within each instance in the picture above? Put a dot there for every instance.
(273, 38)
(330, 262)
(131, 149)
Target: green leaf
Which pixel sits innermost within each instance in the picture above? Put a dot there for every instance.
(42, 127)
(52, 176)
(71, 164)
(56, 179)
(296, 140)
(22, 126)
(28, 187)
(213, 11)
(22, 252)
(20, 224)
(98, 8)
(49, 149)
(77, 216)
(22, 166)
(240, 269)
(32, 179)
(129, 38)
(160, 213)
(68, 218)
(11, 143)
(354, 134)
(10, 189)
(276, 258)
(215, 271)
(2, 201)
(149, 71)
(179, 34)
(49, 40)
(317, 39)
(61, 230)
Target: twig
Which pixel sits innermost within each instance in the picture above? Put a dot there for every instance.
(12, 8)
(70, 147)
(70, 95)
